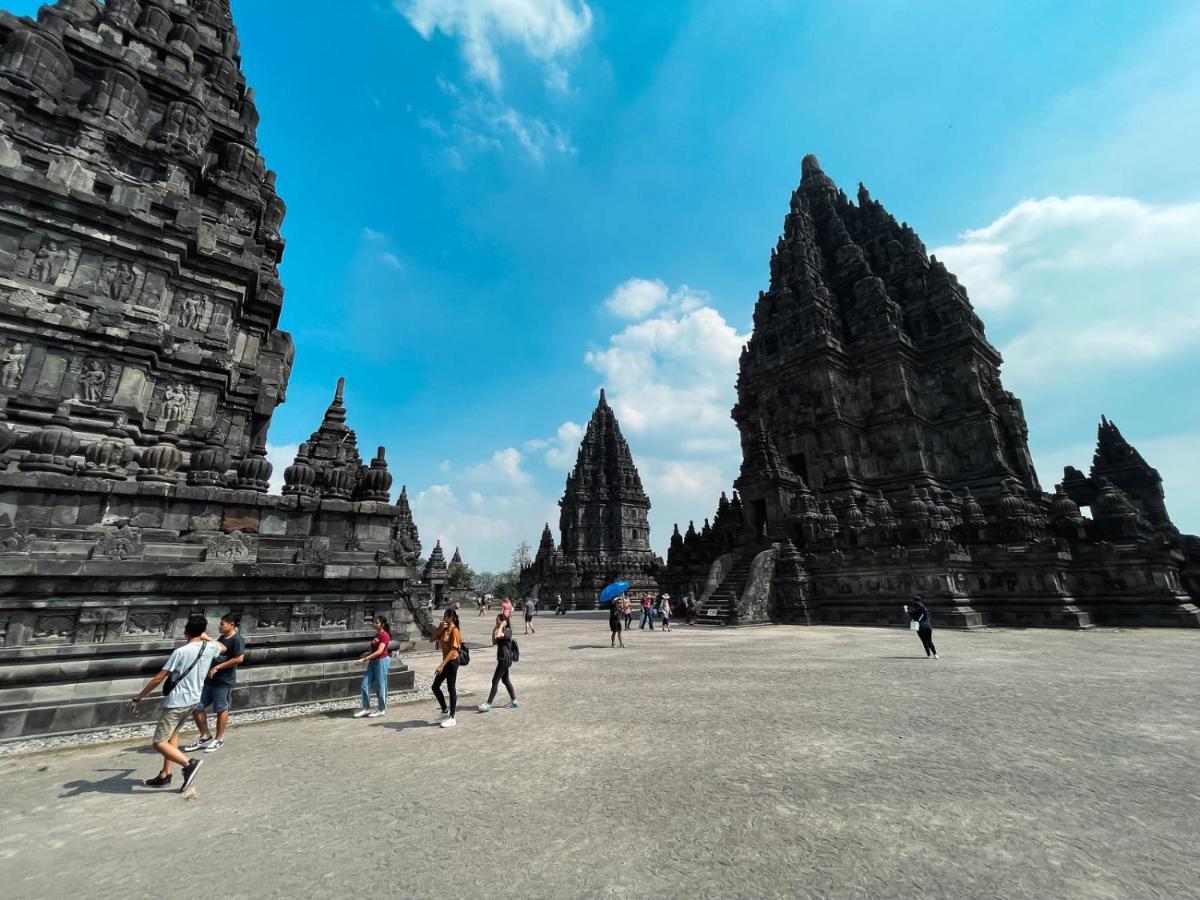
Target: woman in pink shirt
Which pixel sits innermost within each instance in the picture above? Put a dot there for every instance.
(377, 662)
(506, 608)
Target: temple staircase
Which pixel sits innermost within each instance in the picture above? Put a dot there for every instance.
(722, 607)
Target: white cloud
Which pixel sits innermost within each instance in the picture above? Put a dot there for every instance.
(637, 298)
(546, 30)
(503, 468)
(563, 447)
(1083, 287)
(482, 124)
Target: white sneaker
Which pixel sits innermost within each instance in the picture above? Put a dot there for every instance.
(935, 656)
(362, 713)
(442, 716)
(485, 707)
(375, 715)
(449, 722)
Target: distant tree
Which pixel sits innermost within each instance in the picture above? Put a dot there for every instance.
(520, 559)
(484, 582)
(460, 576)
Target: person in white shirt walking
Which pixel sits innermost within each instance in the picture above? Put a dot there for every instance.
(530, 612)
(186, 668)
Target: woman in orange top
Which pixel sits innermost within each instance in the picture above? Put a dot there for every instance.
(448, 639)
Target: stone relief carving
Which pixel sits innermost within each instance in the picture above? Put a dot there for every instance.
(122, 544)
(273, 618)
(335, 617)
(12, 367)
(145, 624)
(55, 627)
(92, 381)
(96, 626)
(176, 404)
(232, 547)
(193, 309)
(48, 262)
(306, 617)
(116, 279)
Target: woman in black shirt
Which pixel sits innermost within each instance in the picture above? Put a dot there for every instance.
(502, 639)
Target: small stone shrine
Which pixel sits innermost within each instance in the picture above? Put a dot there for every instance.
(605, 532)
(140, 364)
(882, 457)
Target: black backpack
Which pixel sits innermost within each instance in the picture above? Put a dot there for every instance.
(514, 651)
(464, 655)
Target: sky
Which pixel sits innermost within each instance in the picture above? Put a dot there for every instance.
(497, 207)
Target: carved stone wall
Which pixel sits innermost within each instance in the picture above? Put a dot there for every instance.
(880, 446)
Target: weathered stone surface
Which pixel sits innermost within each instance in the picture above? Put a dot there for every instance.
(603, 523)
(879, 443)
(140, 364)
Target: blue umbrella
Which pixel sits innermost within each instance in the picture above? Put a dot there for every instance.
(616, 589)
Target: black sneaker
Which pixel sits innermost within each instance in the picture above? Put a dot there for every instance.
(157, 781)
(189, 773)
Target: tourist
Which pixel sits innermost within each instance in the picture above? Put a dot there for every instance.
(615, 610)
(664, 609)
(186, 667)
(918, 612)
(647, 613)
(559, 608)
(506, 608)
(627, 611)
(689, 609)
(378, 661)
(502, 640)
(482, 606)
(218, 687)
(530, 612)
(448, 639)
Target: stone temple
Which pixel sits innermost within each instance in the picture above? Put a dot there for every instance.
(882, 456)
(140, 364)
(603, 524)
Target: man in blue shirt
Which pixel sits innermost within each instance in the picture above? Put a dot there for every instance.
(186, 668)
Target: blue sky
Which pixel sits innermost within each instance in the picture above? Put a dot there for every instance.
(470, 184)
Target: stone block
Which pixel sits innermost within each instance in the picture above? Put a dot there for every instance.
(240, 519)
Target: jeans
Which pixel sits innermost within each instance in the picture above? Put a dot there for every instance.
(926, 636)
(375, 678)
(647, 619)
(448, 676)
(498, 677)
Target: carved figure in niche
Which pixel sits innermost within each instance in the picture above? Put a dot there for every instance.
(175, 403)
(233, 216)
(116, 279)
(47, 261)
(92, 381)
(192, 311)
(12, 369)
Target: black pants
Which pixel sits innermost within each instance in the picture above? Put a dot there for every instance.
(628, 620)
(499, 676)
(926, 636)
(449, 675)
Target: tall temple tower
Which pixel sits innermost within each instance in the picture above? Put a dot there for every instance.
(604, 508)
(868, 369)
(139, 226)
(140, 364)
(882, 456)
(603, 523)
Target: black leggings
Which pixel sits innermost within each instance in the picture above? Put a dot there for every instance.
(926, 636)
(449, 674)
(501, 675)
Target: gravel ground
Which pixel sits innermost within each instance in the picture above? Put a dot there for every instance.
(767, 762)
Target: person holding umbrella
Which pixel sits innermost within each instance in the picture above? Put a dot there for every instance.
(922, 623)
(611, 595)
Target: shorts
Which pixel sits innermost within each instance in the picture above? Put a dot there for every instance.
(215, 696)
(528, 618)
(615, 625)
(170, 720)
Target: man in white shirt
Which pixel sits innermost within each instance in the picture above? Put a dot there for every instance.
(186, 668)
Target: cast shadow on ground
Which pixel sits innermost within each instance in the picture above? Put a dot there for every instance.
(588, 647)
(143, 748)
(403, 726)
(120, 783)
